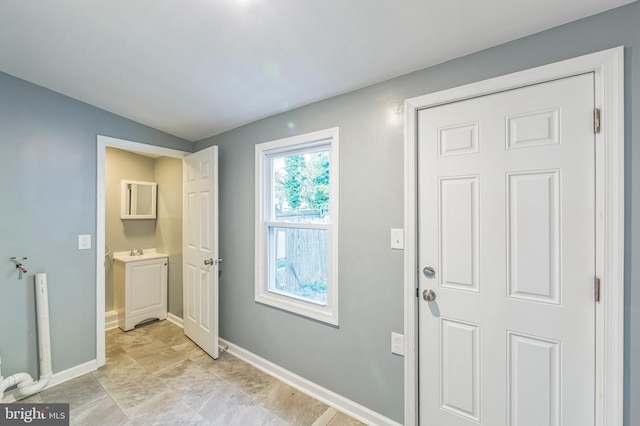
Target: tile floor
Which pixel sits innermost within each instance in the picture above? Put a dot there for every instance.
(154, 375)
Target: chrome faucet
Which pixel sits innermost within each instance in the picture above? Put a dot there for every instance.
(132, 253)
(140, 252)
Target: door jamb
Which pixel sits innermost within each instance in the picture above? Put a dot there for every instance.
(102, 143)
(608, 68)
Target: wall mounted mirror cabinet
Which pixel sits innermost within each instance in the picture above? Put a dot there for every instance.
(138, 199)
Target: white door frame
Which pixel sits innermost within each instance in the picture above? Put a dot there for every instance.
(103, 143)
(608, 68)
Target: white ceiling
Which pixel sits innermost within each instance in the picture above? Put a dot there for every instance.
(200, 67)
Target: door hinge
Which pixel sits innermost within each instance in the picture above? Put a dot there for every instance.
(417, 292)
(596, 120)
(596, 289)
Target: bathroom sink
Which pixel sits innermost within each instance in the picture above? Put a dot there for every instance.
(125, 256)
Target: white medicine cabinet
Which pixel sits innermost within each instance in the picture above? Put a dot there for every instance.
(138, 199)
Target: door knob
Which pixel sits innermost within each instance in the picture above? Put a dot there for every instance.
(429, 295)
(429, 272)
(208, 261)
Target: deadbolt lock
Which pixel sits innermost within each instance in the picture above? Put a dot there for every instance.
(429, 272)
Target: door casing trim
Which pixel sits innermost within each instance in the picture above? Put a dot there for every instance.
(102, 143)
(608, 68)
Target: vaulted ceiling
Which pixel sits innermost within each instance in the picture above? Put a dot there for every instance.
(197, 68)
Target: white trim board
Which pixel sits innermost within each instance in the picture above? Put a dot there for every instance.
(608, 68)
(110, 320)
(103, 142)
(307, 387)
(175, 319)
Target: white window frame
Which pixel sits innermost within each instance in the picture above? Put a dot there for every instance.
(329, 139)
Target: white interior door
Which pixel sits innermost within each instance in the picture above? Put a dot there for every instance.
(200, 249)
(506, 222)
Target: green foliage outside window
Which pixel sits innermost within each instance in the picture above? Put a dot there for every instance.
(303, 182)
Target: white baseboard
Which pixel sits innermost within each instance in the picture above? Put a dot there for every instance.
(73, 372)
(57, 378)
(175, 319)
(110, 320)
(330, 398)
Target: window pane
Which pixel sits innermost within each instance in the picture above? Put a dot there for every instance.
(301, 187)
(299, 263)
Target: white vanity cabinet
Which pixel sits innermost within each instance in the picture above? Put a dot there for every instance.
(140, 288)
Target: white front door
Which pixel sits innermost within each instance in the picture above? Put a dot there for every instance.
(200, 249)
(506, 223)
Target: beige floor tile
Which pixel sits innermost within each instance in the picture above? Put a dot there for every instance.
(341, 419)
(142, 348)
(333, 417)
(77, 392)
(165, 407)
(230, 407)
(101, 412)
(326, 417)
(292, 405)
(130, 392)
(128, 339)
(189, 380)
(156, 361)
(186, 417)
(154, 375)
(241, 375)
(165, 332)
(33, 399)
(119, 370)
(189, 350)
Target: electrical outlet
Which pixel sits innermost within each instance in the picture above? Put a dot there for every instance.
(397, 344)
(84, 242)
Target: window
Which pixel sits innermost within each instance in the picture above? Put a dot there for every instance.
(297, 224)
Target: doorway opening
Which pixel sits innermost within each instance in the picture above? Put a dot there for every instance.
(104, 142)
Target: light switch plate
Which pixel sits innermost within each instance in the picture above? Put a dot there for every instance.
(397, 239)
(84, 242)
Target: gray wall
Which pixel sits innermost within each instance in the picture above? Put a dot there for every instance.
(48, 197)
(354, 360)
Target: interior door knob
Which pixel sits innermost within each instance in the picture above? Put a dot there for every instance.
(429, 295)
(208, 261)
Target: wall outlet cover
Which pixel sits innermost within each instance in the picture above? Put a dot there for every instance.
(397, 344)
(84, 242)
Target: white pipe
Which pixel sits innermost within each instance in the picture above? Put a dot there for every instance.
(26, 385)
(16, 379)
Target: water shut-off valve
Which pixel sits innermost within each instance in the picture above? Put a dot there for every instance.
(18, 262)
